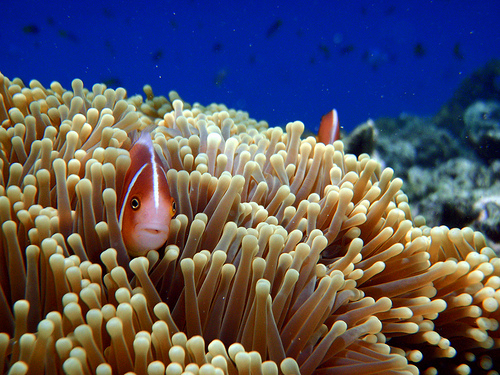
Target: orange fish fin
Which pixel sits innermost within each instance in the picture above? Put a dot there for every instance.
(329, 128)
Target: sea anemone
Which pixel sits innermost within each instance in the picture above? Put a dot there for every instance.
(285, 256)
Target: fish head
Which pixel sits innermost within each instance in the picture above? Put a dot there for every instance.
(146, 207)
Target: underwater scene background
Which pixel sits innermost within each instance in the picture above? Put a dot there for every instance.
(280, 61)
(268, 250)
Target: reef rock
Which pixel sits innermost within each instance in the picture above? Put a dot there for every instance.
(483, 84)
(446, 179)
(482, 128)
(409, 141)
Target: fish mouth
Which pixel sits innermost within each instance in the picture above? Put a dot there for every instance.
(145, 237)
(152, 228)
(152, 231)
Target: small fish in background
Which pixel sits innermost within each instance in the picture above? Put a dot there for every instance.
(68, 35)
(145, 207)
(107, 12)
(173, 24)
(273, 29)
(217, 47)
(457, 51)
(419, 50)
(329, 128)
(347, 49)
(325, 51)
(51, 21)
(156, 56)
(31, 29)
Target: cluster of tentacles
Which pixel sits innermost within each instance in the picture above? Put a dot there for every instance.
(285, 256)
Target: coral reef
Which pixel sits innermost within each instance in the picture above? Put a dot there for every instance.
(482, 129)
(362, 140)
(483, 84)
(285, 256)
(409, 141)
(447, 178)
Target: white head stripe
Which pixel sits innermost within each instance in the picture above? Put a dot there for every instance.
(156, 188)
(132, 183)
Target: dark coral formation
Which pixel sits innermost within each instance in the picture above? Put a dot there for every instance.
(483, 84)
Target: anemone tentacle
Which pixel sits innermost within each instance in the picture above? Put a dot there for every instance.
(285, 256)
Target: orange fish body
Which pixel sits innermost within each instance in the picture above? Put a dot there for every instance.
(145, 207)
(329, 128)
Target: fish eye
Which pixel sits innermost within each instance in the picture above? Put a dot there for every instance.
(135, 203)
(173, 207)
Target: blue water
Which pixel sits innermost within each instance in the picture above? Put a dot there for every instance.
(281, 61)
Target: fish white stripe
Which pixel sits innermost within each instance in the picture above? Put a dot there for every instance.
(132, 183)
(156, 188)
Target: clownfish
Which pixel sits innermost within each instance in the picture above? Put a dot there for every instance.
(145, 207)
(329, 128)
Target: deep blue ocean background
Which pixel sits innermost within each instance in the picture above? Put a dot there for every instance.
(280, 61)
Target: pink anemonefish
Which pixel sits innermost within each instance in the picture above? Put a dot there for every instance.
(145, 206)
(329, 128)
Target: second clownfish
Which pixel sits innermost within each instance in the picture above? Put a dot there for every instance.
(145, 207)
(329, 128)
